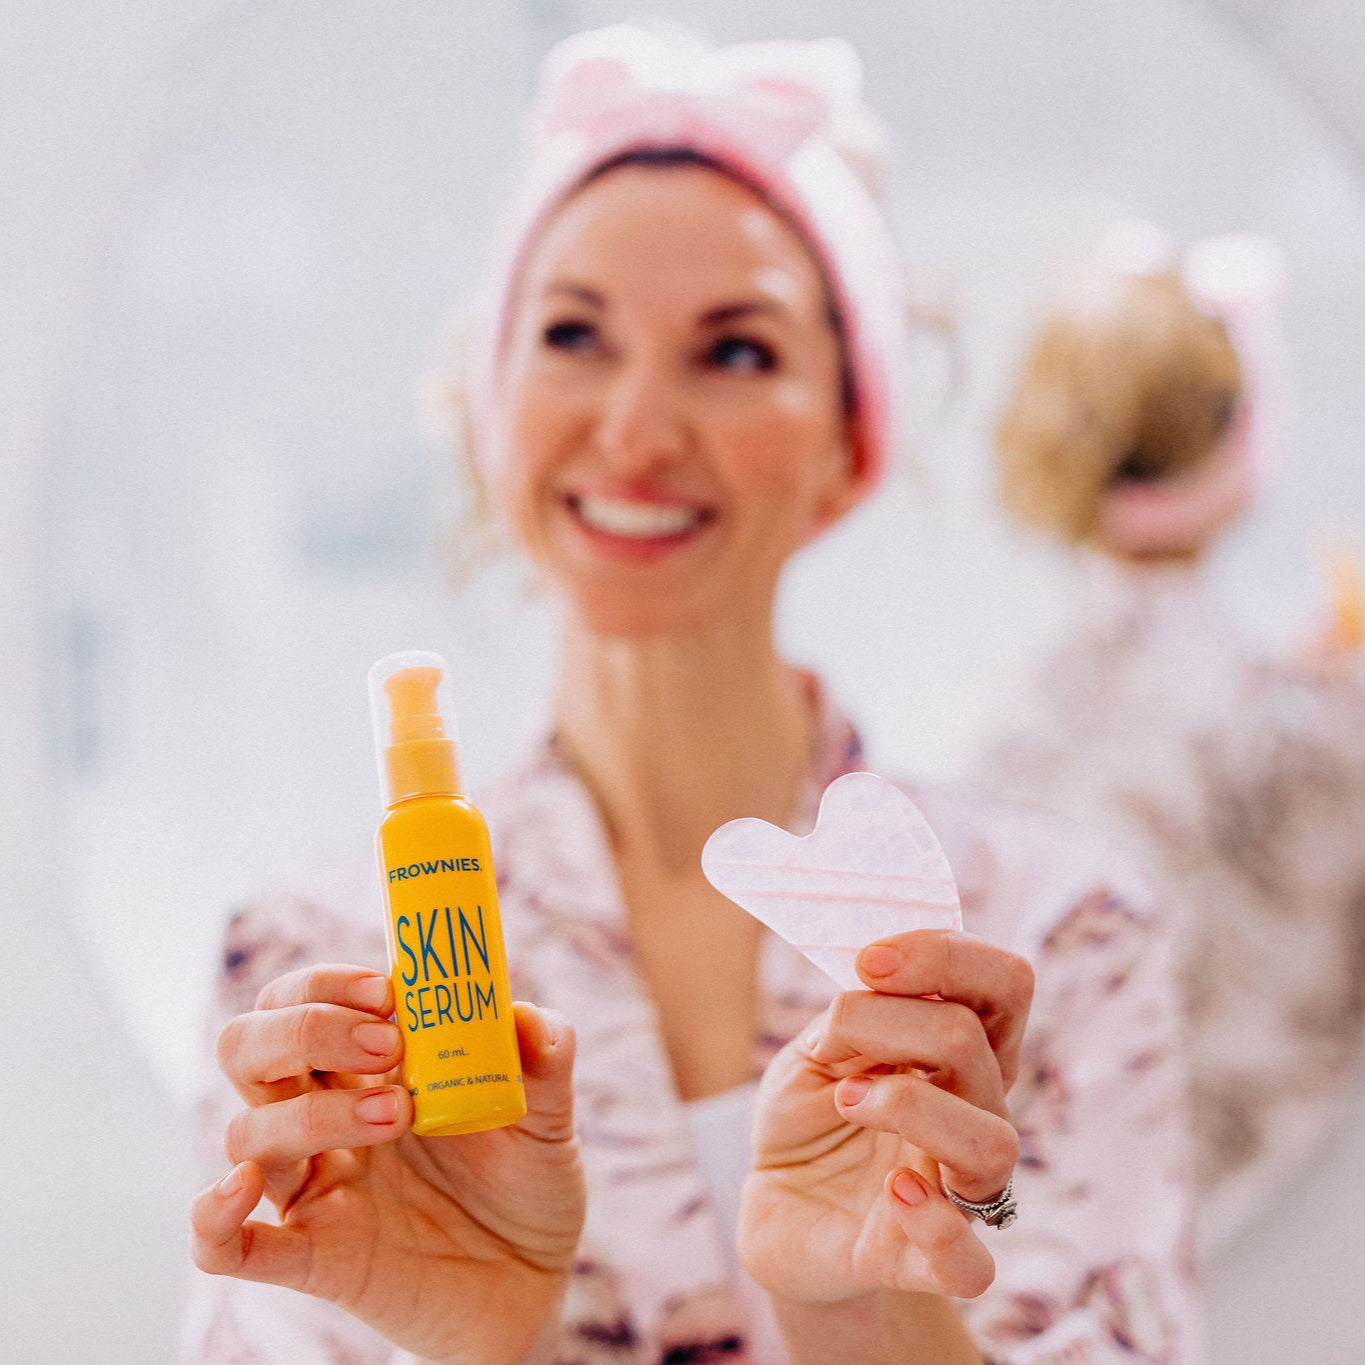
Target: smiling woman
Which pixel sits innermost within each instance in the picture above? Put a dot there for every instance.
(685, 413)
(690, 380)
(230, 261)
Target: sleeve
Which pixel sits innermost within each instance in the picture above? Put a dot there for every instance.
(236, 1322)
(1100, 1266)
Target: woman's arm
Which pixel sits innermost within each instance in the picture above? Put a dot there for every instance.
(886, 1328)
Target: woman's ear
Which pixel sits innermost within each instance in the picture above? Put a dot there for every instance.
(850, 480)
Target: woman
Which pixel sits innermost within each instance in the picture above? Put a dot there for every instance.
(1137, 429)
(691, 348)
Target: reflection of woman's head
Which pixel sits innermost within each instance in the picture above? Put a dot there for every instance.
(686, 351)
(1129, 397)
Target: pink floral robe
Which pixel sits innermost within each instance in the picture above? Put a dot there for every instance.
(1098, 1267)
(1239, 785)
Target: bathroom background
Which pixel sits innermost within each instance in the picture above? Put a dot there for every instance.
(233, 235)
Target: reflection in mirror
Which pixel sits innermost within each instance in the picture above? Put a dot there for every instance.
(243, 509)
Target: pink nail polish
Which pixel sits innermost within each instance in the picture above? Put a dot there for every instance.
(378, 1108)
(879, 960)
(908, 1189)
(853, 1090)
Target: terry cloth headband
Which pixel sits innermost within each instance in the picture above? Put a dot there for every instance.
(766, 110)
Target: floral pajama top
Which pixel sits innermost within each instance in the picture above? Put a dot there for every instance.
(1097, 1269)
(1238, 783)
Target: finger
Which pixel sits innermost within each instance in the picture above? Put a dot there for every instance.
(547, 1044)
(258, 1050)
(222, 1242)
(289, 1131)
(943, 1251)
(330, 983)
(976, 1150)
(995, 984)
(937, 1036)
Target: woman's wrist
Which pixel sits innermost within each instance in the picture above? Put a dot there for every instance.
(543, 1351)
(889, 1327)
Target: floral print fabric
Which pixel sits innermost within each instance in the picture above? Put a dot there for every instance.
(1239, 785)
(1097, 1267)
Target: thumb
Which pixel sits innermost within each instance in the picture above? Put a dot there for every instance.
(546, 1041)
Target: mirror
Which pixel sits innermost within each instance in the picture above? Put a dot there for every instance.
(242, 511)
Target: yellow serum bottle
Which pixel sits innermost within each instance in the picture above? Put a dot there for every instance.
(446, 954)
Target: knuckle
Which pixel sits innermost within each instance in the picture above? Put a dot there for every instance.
(1000, 1149)
(313, 1120)
(270, 994)
(962, 1030)
(975, 1279)
(306, 1032)
(942, 1239)
(840, 1010)
(230, 1041)
(237, 1136)
(317, 981)
(1020, 982)
(906, 1105)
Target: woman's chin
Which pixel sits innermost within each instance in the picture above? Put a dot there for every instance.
(629, 616)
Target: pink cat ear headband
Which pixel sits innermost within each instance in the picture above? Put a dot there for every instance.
(1238, 279)
(765, 109)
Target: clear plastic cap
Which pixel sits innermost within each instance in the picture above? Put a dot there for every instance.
(414, 726)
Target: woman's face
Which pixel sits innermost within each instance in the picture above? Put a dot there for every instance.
(672, 418)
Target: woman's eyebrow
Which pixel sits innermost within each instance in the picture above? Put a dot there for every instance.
(742, 308)
(581, 293)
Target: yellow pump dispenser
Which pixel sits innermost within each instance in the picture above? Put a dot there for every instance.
(446, 954)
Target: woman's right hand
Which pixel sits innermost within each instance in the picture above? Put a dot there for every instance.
(453, 1248)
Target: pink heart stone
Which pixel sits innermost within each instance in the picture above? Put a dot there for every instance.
(870, 868)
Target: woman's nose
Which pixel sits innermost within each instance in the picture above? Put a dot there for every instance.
(642, 423)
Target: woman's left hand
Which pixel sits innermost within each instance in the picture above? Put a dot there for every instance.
(867, 1116)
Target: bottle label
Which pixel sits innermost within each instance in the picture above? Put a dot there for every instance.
(444, 965)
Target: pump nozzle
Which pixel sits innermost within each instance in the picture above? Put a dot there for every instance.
(413, 726)
(413, 711)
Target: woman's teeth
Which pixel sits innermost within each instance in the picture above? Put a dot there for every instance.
(638, 520)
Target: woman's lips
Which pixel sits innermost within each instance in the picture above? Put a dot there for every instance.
(636, 528)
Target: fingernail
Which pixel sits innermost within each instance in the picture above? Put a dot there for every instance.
(379, 1040)
(370, 992)
(853, 1090)
(378, 1108)
(879, 960)
(231, 1182)
(812, 1040)
(908, 1189)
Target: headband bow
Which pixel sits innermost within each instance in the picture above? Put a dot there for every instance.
(627, 84)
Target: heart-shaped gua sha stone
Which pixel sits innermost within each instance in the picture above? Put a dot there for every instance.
(870, 868)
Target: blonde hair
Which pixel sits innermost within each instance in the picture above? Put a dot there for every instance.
(1125, 380)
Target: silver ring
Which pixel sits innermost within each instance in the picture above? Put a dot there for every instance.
(999, 1212)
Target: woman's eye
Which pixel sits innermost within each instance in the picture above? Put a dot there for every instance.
(570, 336)
(742, 354)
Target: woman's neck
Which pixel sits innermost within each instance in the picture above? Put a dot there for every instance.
(676, 734)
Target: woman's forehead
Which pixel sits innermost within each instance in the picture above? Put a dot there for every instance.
(688, 234)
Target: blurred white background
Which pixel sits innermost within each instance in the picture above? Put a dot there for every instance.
(234, 234)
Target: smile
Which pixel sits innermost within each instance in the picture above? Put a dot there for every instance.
(633, 519)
